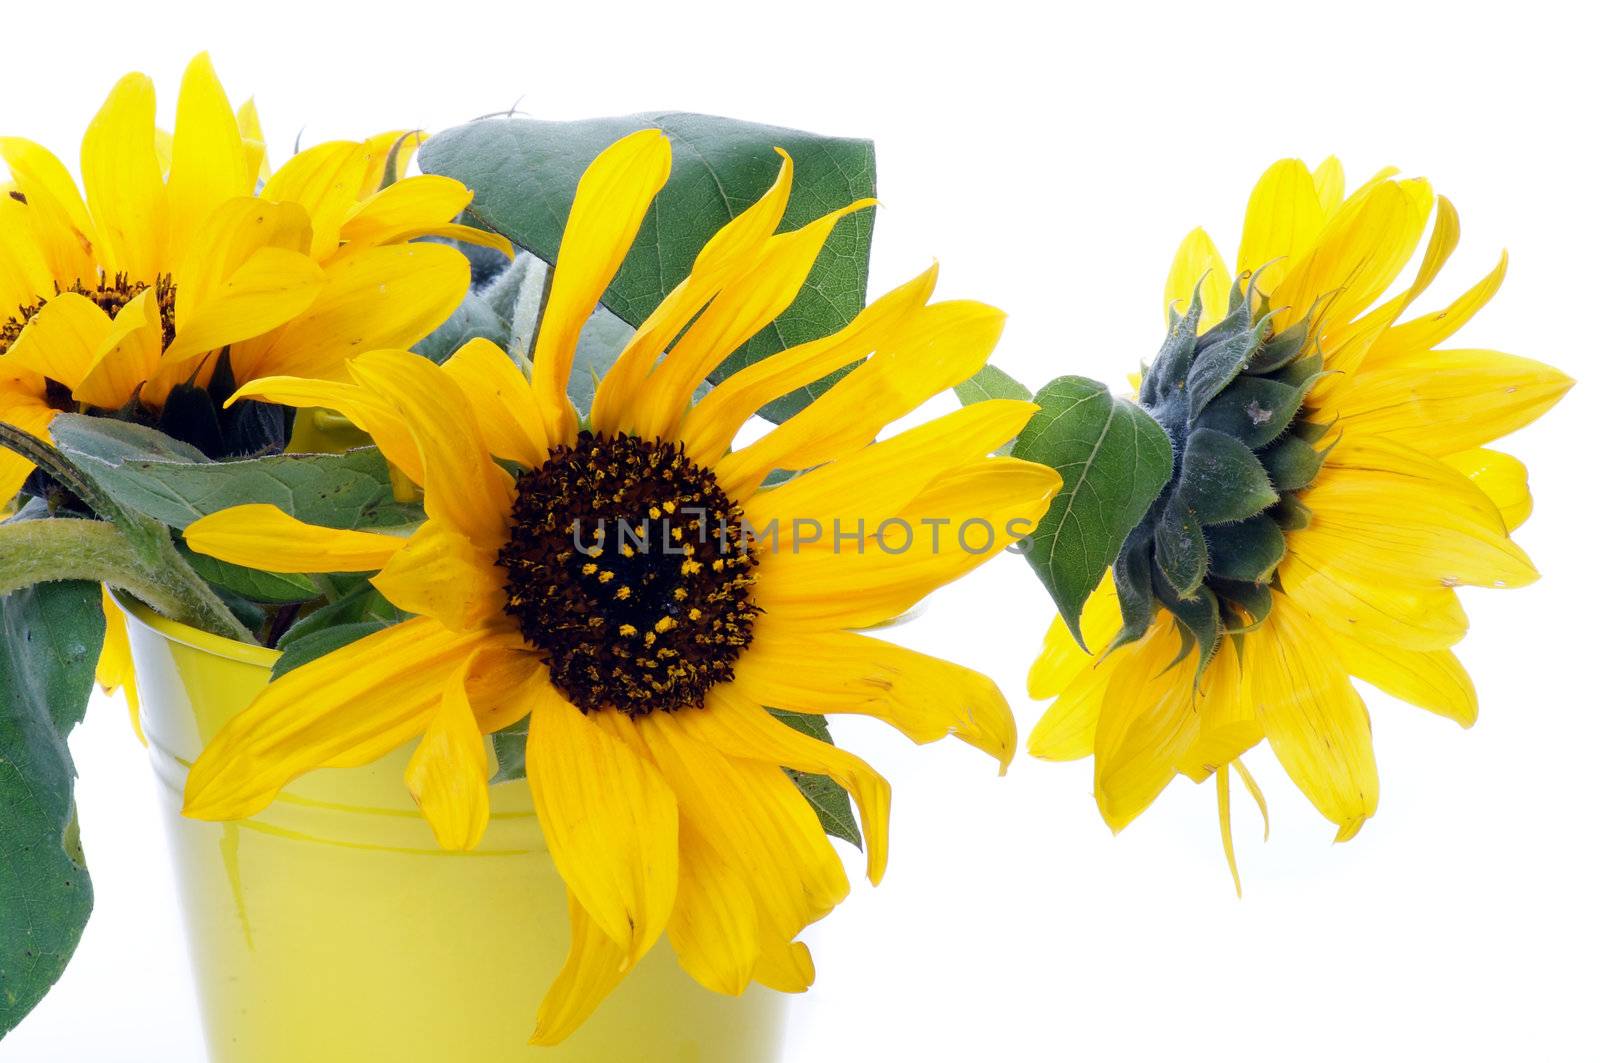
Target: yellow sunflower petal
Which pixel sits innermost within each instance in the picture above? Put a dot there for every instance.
(724, 256)
(114, 670)
(1429, 679)
(925, 698)
(272, 287)
(462, 485)
(227, 239)
(36, 169)
(1148, 721)
(448, 773)
(1441, 402)
(1198, 262)
(209, 164)
(326, 181)
(1329, 179)
(936, 349)
(49, 216)
(714, 928)
(1228, 722)
(122, 176)
(255, 143)
(1500, 476)
(609, 819)
(128, 355)
(264, 537)
(612, 198)
(504, 401)
(739, 727)
(1281, 222)
(594, 967)
(1326, 585)
(710, 426)
(63, 340)
(1314, 718)
(340, 711)
(365, 410)
(1430, 330)
(743, 308)
(441, 573)
(382, 297)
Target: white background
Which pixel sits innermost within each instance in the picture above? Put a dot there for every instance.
(1051, 162)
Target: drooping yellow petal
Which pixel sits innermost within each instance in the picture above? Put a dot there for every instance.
(1430, 679)
(209, 163)
(611, 200)
(1229, 724)
(1327, 585)
(343, 710)
(738, 727)
(448, 773)
(1430, 330)
(441, 573)
(1281, 222)
(264, 537)
(122, 176)
(842, 672)
(1314, 718)
(23, 405)
(462, 485)
(1198, 263)
(503, 400)
(1501, 477)
(609, 819)
(1061, 660)
(595, 966)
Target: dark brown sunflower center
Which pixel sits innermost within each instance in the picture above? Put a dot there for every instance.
(629, 569)
(110, 294)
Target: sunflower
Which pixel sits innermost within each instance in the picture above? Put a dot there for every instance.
(620, 590)
(1331, 491)
(184, 250)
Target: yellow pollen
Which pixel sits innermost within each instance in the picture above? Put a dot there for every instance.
(590, 569)
(694, 614)
(627, 631)
(679, 593)
(690, 567)
(624, 592)
(665, 624)
(607, 576)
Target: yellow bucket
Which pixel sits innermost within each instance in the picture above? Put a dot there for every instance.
(331, 929)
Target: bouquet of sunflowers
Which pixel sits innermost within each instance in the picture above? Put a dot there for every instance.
(535, 474)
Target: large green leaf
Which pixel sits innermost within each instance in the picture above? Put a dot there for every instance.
(50, 639)
(524, 175)
(1114, 459)
(146, 472)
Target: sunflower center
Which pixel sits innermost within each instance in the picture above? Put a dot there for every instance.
(110, 295)
(629, 569)
(1232, 400)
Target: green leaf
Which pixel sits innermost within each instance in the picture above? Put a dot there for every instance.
(1114, 459)
(524, 175)
(990, 382)
(510, 752)
(827, 798)
(321, 643)
(50, 639)
(154, 477)
(257, 586)
(362, 604)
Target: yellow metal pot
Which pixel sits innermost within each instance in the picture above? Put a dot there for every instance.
(331, 928)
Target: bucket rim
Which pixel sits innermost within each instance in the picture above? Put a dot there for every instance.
(176, 631)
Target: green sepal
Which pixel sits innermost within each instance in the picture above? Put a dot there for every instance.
(1292, 463)
(1181, 554)
(1291, 514)
(1255, 599)
(1199, 615)
(1130, 576)
(1281, 349)
(1167, 374)
(1222, 481)
(1255, 410)
(1302, 373)
(1249, 550)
